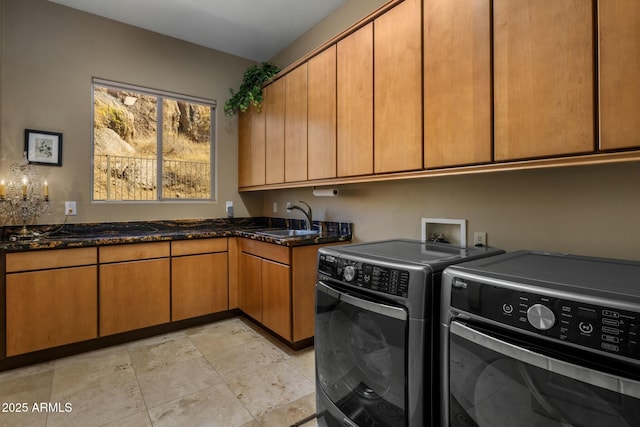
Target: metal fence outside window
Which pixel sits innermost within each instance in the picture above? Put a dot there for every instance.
(136, 178)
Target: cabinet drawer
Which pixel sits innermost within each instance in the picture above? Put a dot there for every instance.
(198, 246)
(41, 260)
(134, 252)
(270, 251)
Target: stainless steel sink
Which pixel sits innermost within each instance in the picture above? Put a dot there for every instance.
(288, 233)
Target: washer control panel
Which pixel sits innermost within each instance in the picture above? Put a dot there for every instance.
(593, 326)
(364, 275)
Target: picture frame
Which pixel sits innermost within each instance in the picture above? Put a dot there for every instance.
(43, 147)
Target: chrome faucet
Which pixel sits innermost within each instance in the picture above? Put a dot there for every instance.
(308, 215)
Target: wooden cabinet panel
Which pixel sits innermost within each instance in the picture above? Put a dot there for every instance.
(276, 298)
(543, 78)
(50, 308)
(398, 89)
(355, 103)
(270, 251)
(250, 286)
(199, 285)
(134, 252)
(274, 129)
(234, 271)
(619, 66)
(41, 260)
(303, 278)
(295, 124)
(322, 115)
(457, 83)
(251, 148)
(134, 295)
(198, 246)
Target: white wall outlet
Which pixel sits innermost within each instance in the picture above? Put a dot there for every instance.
(275, 207)
(229, 208)
(479, 238)
(70, 208)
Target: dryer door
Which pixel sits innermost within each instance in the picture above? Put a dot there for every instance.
(360, 356)
(494, 382)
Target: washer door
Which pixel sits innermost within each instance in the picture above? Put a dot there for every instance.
(360, 357)
(494, 383)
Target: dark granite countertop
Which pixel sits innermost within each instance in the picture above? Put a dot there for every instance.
(113, 233)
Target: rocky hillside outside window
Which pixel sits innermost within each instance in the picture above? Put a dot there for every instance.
(151, 145)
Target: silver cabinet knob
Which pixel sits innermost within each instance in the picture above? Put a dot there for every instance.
(541, 317)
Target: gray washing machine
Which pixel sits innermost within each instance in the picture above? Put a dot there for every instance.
(375, 326)
(539, 339)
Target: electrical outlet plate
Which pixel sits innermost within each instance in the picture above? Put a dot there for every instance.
(275, 207)
(70, 208)
(479, 238)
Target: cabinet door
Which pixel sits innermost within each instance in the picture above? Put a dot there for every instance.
(276, 298)
(619, 56)
(457, 83)
(543, 76)
(355, 103)
(50, 308)
(251, 148)
(250, 286)
(274, 129)
(199, 285)
(398, 88)
(134, 295)
(322, 115)
(295, 124)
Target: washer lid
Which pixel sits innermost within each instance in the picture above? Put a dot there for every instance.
(579, 274)
(416, 251)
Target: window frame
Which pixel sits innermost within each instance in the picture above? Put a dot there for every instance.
(160, 95)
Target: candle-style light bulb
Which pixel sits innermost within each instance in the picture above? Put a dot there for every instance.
(46, 189)
(3, 189)
(24, 186)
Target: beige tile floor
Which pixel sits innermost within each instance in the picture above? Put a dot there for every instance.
(229, 373)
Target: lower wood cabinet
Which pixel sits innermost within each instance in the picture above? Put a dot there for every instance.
(134, 294)
(277, 287)
(51, 299)
(50, 308)
(199, 278)
(250, 286)
(276, 298)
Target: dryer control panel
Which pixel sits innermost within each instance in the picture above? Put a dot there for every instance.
(594, 326)
(365, 275)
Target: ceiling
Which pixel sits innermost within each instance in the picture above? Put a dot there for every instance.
(252, 29)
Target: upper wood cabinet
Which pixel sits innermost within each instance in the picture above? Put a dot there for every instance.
(355, 103)
(321, 115)
(398, 89)
(273, 109)
(619, 56)
(251, 148)
(543, 78)
(295, 125)
(457, 83)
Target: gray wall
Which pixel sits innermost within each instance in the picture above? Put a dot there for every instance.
(50, 54)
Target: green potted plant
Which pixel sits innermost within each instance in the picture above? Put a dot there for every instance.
(250, 92)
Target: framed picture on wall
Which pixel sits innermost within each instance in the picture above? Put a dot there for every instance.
(42, 147)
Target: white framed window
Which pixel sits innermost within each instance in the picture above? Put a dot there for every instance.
(151, 145)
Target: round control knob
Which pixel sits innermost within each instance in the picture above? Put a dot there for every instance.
(541, 317)
(349, 273)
